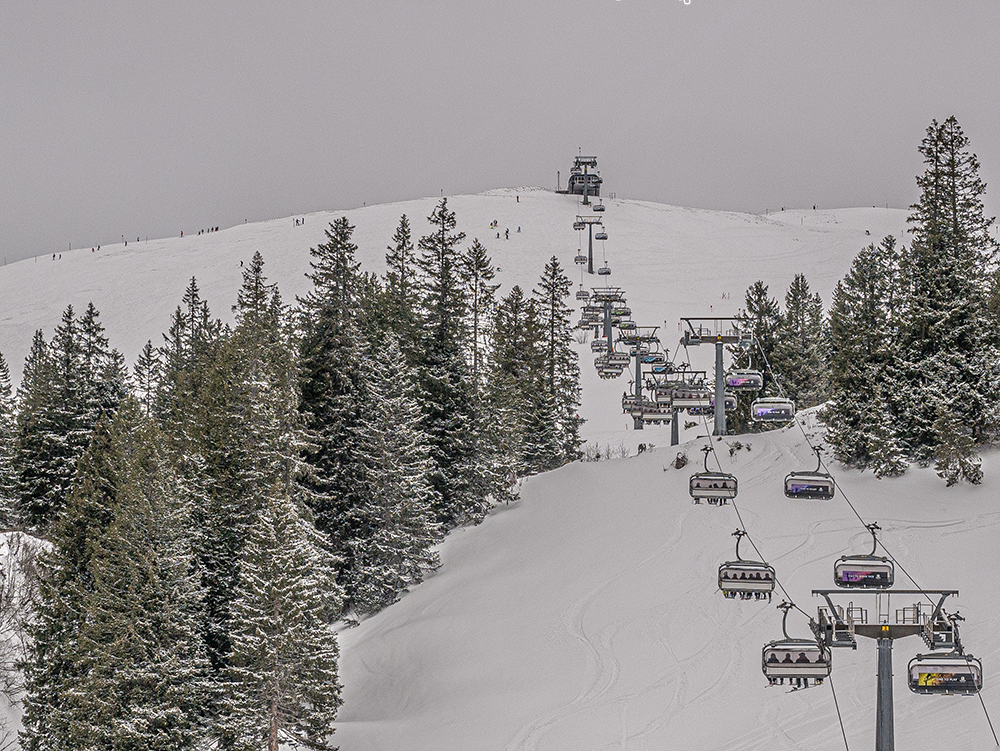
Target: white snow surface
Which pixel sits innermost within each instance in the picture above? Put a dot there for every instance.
(586, 615)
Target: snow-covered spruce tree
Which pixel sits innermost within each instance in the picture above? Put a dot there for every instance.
(955, 452)
(401, 290)
(116, 660)
(864, 389)
(885, 454)
(948, 346)
(481, 294)
(8, 477)
(761, 318)
(397, 516)
(801, 351)
(146, 377)
(145, 681)
(68, 385)
(332, 391)
(282, 686)
(512, 387)
(447, 393)
(561, 367)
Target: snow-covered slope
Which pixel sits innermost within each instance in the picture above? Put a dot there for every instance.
(671, 262)
(586, 615)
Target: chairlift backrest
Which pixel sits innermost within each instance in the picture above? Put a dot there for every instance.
(772, 410)
(713, 485)
(817, 486)
(795, 658)
(945, 674)
(863, 571)
(746, 576)
(745, 380)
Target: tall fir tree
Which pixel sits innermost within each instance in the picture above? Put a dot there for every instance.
(398, 517)
(8, 476)
(864, 324)
(801, 351)
(115, 660)
(282, 684)
(401, 289)
(948, 345)
(561, 367)
(761, 318)
(447, 391)
(481, 294)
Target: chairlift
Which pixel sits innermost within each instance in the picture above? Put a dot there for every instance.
(604, 270)
(714, 486)
(743, 578)
(598, 207)
(579, 225)
(864, 571)
(627, 325)
(622, 310)
(653, 358)
(602, 235)
(745, 380)
(818, 486)
(685, 397)
(947, 674)
(772, 409)
(580, 259)
(798, 660)
(598, 345)
(729, 402)
(618, 358)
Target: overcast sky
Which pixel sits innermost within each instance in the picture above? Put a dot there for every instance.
(148, 118)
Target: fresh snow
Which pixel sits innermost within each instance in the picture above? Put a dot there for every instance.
(586, 615)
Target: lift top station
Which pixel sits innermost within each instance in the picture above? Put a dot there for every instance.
(583, 181)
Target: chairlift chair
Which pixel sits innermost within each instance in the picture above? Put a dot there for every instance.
(745, 577)
(618, 358)
(653, 358)
(598, 345)
(627, 325)
(729, 402)
(819, 486)
(604, 270)
(712, 485)
(579, 225)
(598, 207)
(582, 294)
(745, 380)
(580, 259)
(772, 409)
(798, 660)
(685, 397)
(864, 571)
(947, 674)
(602, 235)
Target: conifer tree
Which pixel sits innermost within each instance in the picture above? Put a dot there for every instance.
(446, 386)
(147, 377)
(282, 683)
(561, 368)
(8, 477)
(331, 388)
(801, 352)
(116, 661)
(955, 452)
(401, 289)
(398, 518)
(948, 347)
(481, 292)
(761, 319)
(864, 388)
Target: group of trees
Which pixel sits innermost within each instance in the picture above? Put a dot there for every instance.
(908, 359)
(210, 514)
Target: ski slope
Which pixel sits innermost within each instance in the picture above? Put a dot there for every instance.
(586, 615)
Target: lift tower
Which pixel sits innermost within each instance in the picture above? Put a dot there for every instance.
(588, 222)
(721, 331)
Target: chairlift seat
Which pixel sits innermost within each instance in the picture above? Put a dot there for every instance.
(579, 225)
(863, 571)
(598, 345)
(713, 485)
(598, 207)
(746, 576)
(745, 380)
(604, 271)
(772, 410)
(946, 674)
(687, 397)
(582, 294)
(815, 486)
(795, 658)
(600, 235)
